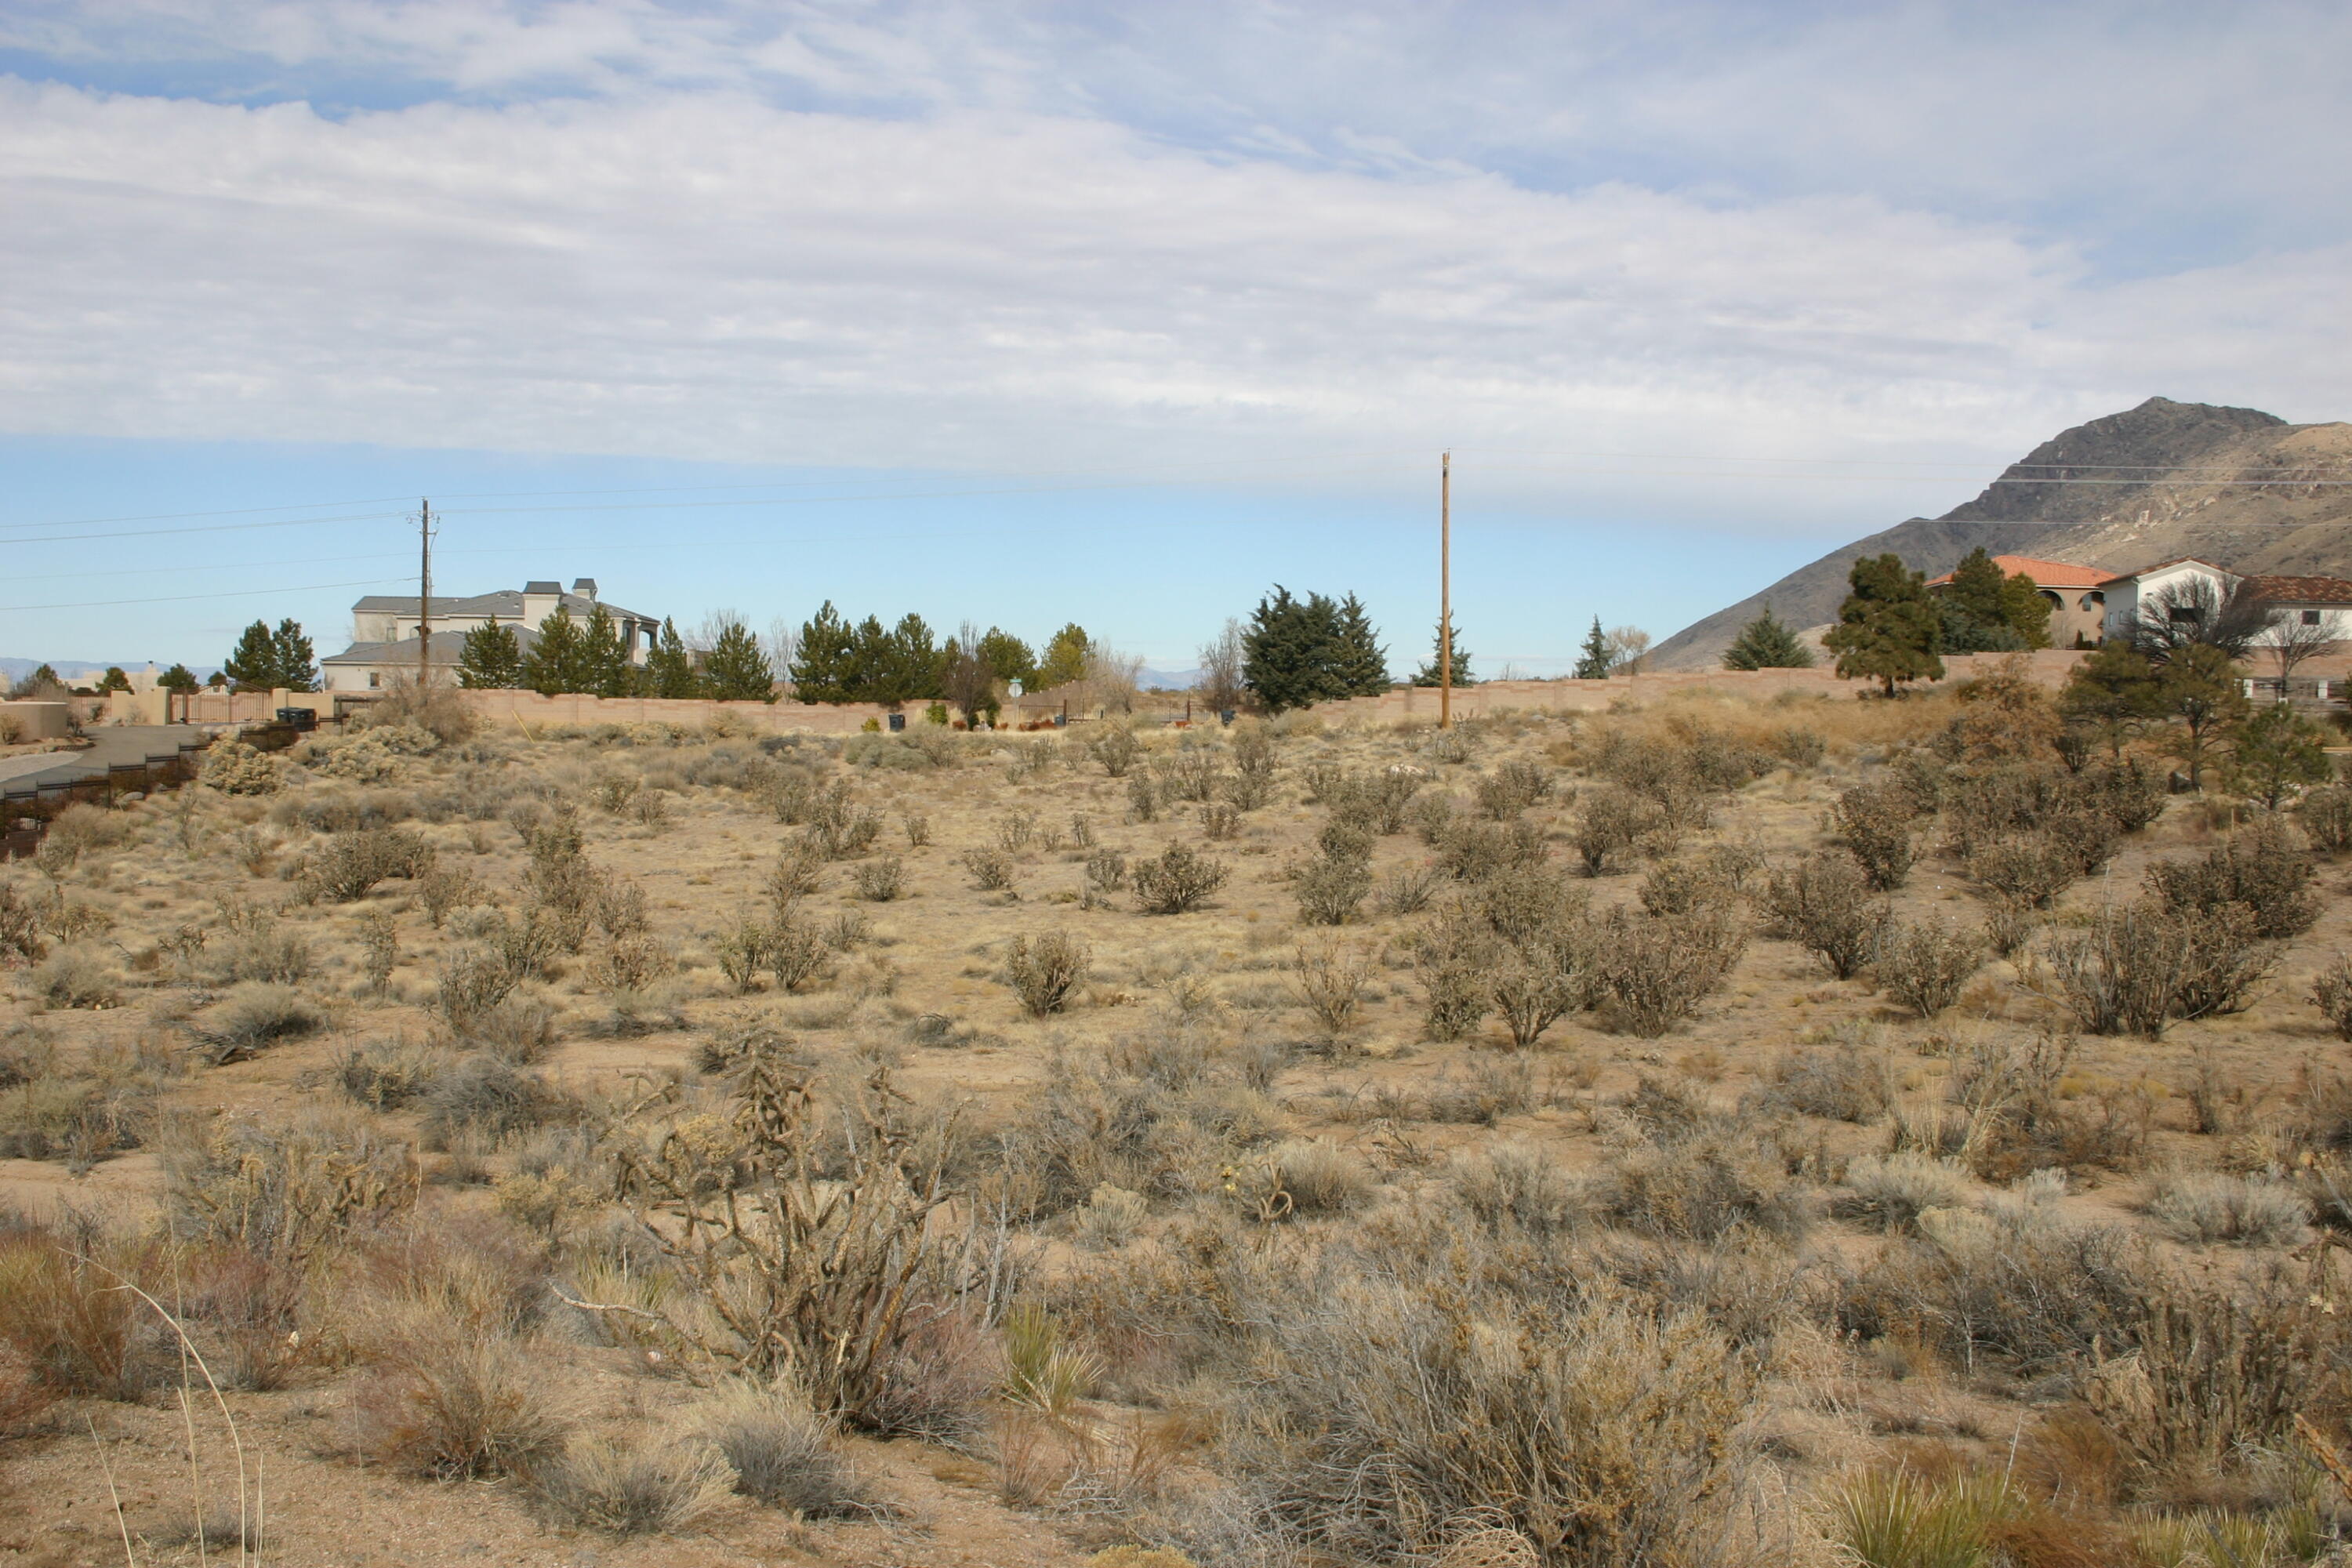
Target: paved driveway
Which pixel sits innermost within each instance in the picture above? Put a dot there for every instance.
(114, 743)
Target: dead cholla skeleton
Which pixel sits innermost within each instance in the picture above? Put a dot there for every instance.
(800, 1274)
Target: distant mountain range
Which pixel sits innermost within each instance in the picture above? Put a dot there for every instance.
(2237, 487)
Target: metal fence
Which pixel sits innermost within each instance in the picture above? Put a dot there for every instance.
(26, 810)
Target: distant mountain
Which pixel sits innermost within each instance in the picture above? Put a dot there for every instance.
(1151, 679)
(2232, 485)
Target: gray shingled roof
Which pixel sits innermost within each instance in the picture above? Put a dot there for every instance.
(506, 605)
(446, 647)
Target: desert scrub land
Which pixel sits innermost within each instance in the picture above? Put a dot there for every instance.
(1833, 1132)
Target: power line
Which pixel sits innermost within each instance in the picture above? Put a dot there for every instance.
(183, 599)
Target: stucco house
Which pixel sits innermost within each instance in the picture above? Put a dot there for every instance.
(2298, 604)
(2076, 595)
(385, 627)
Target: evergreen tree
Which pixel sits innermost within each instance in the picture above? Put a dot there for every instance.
(1294, 652)
(491, 658)
(1009, 656)
(907, 665)
(558, 661)
(1362, 664)
(605, 669)
(1765, 643)
(1595, 655)
(1064, 658)
(179, 678)
(669, 667)
(297, 668)
(1887, 629)
(2197, 689)
(820, 667)
(1427, 674)
(113, 680)
(218, 681)
(735, 671)
(2112, 693)
(1981, 611)
(252, 665)
(2278, 753)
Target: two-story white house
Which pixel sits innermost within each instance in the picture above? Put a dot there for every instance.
(2301, 607)
(385, 628)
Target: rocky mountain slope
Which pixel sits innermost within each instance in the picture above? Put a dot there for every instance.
(2240, 488)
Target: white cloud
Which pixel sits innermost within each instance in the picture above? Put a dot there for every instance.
(930, 236)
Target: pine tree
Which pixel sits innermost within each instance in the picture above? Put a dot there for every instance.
(1064, 658)
(735, 671)
(252, 665)
(820, 670)
(2278, 753)
(1765, 643)
(1888, 629)
(1009, 656)
(605, 669)
(113, 680)
(556, 664)
(669, 668)
(1427, 674)
(491, 658)
(1595, 655)
(1363, 662)
(906, 664)
(179, 678)
(1983, 612)
(297, 668)
(1295, 652)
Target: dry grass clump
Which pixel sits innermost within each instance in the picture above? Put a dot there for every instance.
(2020, 1119)
(1845, 1084)
(80, 974)
(656, 1486)
(2206, 1208)
(1516, 1188)
(285, 1189)
(65, 1317)
(783, 1451)
(1700, 1185)
(484, 1095)
(254, 1016)
(82, 1109)
(1318, 1177)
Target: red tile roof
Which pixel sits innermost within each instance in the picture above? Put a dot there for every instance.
(2303, 590)
(2045, 573)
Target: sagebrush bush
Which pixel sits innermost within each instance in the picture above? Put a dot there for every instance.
(2325, 813)
(2331, 993)
(2203, 1208)
(447, 1402)
(1877, 822)
(487, 1096)
(1825, 904)
(2027, 868)
(77, 975)
(1319, 1177)
(1332, 889)
(1045, 970)
(1894, 1191)
(1652, 973)
(1615, 823)
(990, 868)
(881, 880)
(1511, 788)
(1518, 1188)
(1924, 964)
(2041, 1298)
(1845, 1084)
(1391, 1412)
(1700, 1185)
(1329, 982)
(2263, 866)
(349, 864)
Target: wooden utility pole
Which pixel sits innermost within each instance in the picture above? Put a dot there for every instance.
(1445, 590)
(425, 595)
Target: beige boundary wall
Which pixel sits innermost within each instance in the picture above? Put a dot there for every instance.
(2048, 667)
(529, 710)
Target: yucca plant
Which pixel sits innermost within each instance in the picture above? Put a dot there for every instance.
(1898, 1519)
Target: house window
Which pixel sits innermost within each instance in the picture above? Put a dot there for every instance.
(2311, 617)
(376, 677)
(2182, 615)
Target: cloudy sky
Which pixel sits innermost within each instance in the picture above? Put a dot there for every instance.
(1113, 313)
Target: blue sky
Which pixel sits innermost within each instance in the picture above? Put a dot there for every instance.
(1115, 314)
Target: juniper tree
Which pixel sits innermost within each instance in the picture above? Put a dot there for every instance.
(1593, 660)
(735, 671)
(1064, 658)
(491, 658)
(559, 659)
(1362, 663)
(820, 670)
(670, 665)
(1427, 674)
(1887, 630)
(1766, 643)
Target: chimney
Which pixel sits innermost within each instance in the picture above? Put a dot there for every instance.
(585, 586)
(538, 602)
